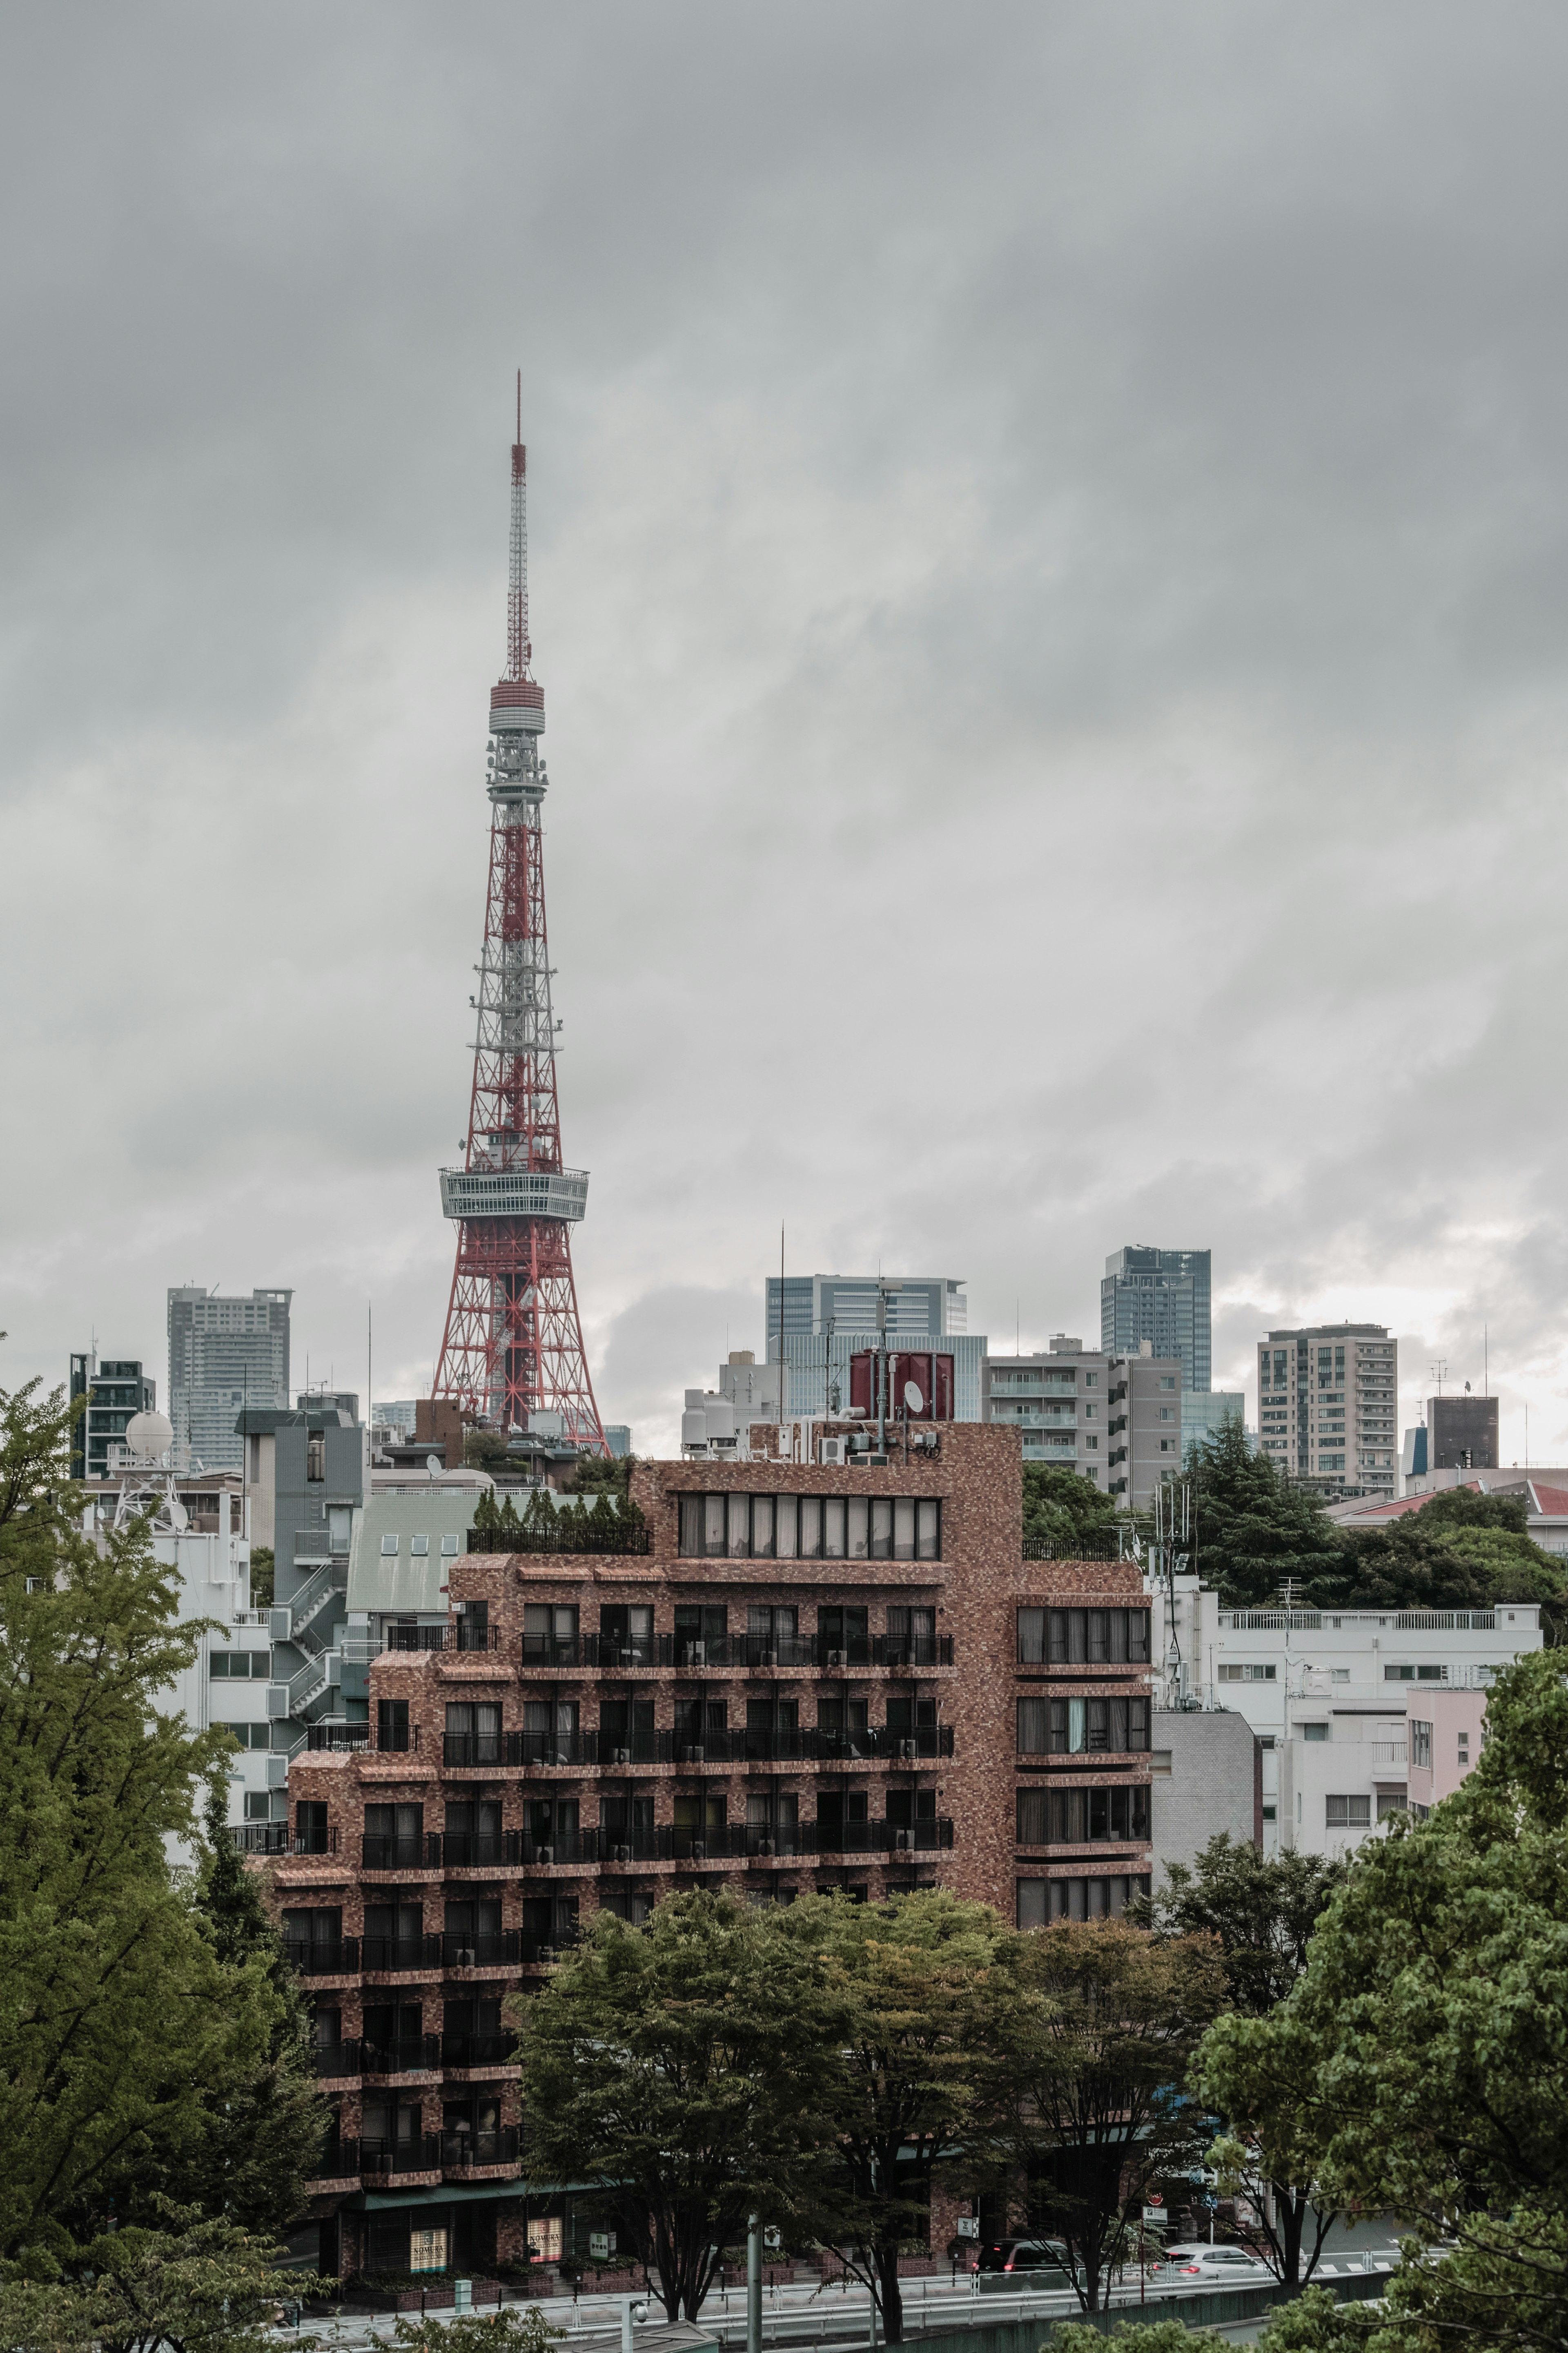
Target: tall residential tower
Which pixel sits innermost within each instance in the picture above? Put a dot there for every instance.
(1161, 1297)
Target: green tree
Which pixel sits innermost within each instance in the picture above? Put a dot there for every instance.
(485, 1449)
(919, 2080)
(1263, 1913)
(261, 1577)
(602, 1475)
(1131, 2336)
(120, 2024)
(202, 2287)
(1062, 1508)
(508, 2329)
(1461, 1550)
(1252, 1528)
(1420, 2066)
(1107, 2019)
(681, 2066)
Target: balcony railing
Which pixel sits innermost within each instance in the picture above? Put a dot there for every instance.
(1097, 1548)
(261, 1837)
(412, 2054)
(457, 1634)
(378, 1954)
(422, 2154)
(386, 1851)
(396, 1740)
(740, 1842)
(339, 2161)
(462, 2150)
(488, 2050)
(751, 1650)
(471, 1849)
(728, 1745)
(323, 1957)
(500, 1950)
(337, 2058)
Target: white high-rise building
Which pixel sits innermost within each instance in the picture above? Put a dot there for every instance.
(1328, 1399)
(227, 1356)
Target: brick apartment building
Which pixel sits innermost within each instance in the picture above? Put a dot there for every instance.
(814, 1678)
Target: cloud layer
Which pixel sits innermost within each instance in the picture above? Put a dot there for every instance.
(1050, 561)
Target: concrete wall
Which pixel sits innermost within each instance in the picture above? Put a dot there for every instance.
(1206, 1776)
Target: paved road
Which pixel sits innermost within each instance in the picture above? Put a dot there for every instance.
(800, 2317)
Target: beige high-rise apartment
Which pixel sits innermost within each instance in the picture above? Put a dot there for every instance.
(1327, 1398)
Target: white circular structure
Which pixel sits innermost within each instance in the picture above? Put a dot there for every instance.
(149, 1434)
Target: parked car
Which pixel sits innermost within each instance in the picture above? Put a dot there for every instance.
(1013, 2264)
(1222, 2266)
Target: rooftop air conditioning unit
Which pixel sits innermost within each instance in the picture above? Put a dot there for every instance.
(906, 1748)
(835, 1657)
(622, 1854)
(544, 1854)
(833, 1453)
(465, 1958)
(764, 1846)
(623, 1756)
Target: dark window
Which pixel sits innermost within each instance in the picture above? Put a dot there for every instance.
(845, 1632)
(311, 1826)
(1036, 1735)
(1084, 1636)
(392, 1724)
(549, 1633)
(1082, 1816)
(1100, 1898)
(626, 1634)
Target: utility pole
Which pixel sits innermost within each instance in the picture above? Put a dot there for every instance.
(754, 2283)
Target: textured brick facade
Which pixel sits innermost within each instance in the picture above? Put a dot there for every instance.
(765, 1753)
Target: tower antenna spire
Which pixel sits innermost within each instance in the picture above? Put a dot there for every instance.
(518, 652)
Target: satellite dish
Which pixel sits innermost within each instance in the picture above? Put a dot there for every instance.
(178, 1516)
(433, 1464)
(913, 1400)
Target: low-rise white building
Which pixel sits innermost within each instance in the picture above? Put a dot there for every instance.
(1359, 1713)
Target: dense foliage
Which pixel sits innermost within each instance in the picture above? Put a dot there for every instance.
(1263, 1913)
(147, 2032)
(1098, 2040)
(1062, 1509)
(609, 1524)
(1420, 2064)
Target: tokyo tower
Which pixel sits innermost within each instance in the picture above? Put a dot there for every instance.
(512, 1350)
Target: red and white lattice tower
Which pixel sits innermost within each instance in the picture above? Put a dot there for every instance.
(513, 1345)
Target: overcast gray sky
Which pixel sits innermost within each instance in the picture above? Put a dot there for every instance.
(1049, 534)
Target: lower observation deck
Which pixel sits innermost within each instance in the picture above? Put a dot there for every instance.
(515, 1193)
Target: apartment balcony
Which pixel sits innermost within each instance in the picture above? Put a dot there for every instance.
(338, 2166)
(337, 2060)
(749, 1841)
(388, 1850)
(413, 2054)
(385, 1955)
(735, 1745)
(419, 2154)
(456, 1635)
(491, 2050)
(261, 1837)
(333, 1958)
(753, 1652)
(400, 1740)
(501, 1950)
(470, 2152)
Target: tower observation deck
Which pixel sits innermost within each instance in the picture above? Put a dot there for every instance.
(513, 1341)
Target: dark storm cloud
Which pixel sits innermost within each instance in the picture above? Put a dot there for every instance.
(1050, 566)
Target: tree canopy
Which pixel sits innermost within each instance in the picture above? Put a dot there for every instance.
(1263, 1912)
(1420, 2066)
(682, 2066)
(1106, 2020)
(1252, 1528)
(125, 2021)
(917, 2010)
(1062, 1508)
